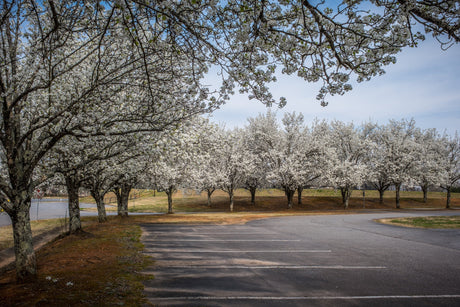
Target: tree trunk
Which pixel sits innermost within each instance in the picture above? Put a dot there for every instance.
(253, 195)
(448, 199)
(169, 192)
(346, 193)
(124, 195)
(230, 194)
(209, 191)
(398, 189)
(425, 193)
(99, 198)
(299, 195)
(74, 206)
(26, 267)
(381, 192)
(290, 196)
(117, 191)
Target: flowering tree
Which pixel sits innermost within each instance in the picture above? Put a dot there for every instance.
(74, 70)
(290, 156)
(379, 175)
(205, 167)
(427, 171)
(232, 164)
(314, 155)
(401, 152)
(172, 165)
(347, 169)
(263, 140)
(450, 164)
(257, 139)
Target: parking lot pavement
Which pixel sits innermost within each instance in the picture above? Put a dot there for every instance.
(338, 260)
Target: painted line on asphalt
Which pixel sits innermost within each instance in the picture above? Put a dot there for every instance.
(238, 251)
(297, 267)
(210, 233)
(224, 240)
(282, 298)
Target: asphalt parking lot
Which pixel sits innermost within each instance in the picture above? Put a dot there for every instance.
(332, 260)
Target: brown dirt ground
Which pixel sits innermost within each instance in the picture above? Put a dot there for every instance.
(90, 269)
(325, 203)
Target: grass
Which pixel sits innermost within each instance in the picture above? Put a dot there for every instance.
(275, 200)
(433, 222)
(96, 268)
(38, 228)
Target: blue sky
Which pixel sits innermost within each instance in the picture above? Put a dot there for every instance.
(424, 84)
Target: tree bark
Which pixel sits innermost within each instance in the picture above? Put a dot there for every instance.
(209, 192)
(26, 267)
(381, 186)
(99, 198)
(290, 196)
(381, 192)
(169, 193)
(346, 193)
(230, 194)
(299, 195)
(125, 190)
(253, 195)
(448, 199)
(73, 186)
(122, 193)
(117, 191)
(425, 193)
(398, 189)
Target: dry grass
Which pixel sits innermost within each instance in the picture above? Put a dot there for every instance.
(96, 268)
(38, 228)
(274, 200)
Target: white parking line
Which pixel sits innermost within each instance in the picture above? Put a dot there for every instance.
(297, 267)
(209, 233)
(223, 240)
(281, 298)
(192, 251)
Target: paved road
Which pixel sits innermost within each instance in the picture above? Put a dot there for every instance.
(48, 209)
(336, 260)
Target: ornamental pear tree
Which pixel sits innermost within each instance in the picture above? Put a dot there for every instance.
(401, 152)
(427, 171)
(348, 169)
(379, 175)
(294, 133)
(313, 154)
(172, 168)
(291, 155)
(307, 146)
(263, 138)
(233, 164)
(130, 163)
(450, 164)
(205, 167)
(253, 135)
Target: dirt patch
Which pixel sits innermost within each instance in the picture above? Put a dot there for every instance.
(95, 268)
